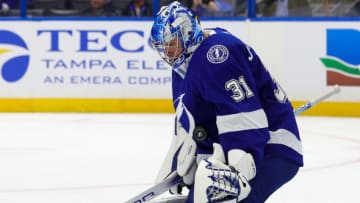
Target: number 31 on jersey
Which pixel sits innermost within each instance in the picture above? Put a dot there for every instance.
(239, 88)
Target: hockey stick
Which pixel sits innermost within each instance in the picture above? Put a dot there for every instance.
(334, 90)
(156, 190)
(173, 179)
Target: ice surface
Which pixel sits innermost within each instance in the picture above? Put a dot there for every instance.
(108, 158)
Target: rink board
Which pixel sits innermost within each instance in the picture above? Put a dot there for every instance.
(147, 106)
(109, 66)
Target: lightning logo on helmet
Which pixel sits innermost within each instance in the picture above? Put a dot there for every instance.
(343, 57)
(14, 57)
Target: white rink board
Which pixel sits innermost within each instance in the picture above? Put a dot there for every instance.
(292, 52)
(113, 59)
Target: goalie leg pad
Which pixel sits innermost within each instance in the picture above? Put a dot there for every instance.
(217, 182)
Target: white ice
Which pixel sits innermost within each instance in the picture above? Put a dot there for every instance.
(108, 158)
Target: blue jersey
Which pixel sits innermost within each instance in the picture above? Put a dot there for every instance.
(228, 91)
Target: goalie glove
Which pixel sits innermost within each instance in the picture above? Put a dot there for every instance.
(216, 181)
(182, 155)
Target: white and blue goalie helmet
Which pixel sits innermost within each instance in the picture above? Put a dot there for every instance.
(176, 22)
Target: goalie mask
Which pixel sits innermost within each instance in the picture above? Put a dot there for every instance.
(176, 33)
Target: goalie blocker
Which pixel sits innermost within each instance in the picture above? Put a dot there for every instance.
(216, 181)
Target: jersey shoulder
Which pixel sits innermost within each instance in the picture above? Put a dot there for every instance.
(218, 59)
(219, 49)
(219, 52)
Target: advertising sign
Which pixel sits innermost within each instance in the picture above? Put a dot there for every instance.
(342, 60)
(114, 60)
(80, 59)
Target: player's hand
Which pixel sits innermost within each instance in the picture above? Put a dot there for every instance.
(216, 181)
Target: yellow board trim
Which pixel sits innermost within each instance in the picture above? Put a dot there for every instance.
(90, 105)
(87, 105)
(345, 109)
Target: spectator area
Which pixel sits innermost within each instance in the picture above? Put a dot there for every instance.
(316, 8)
(58, 7)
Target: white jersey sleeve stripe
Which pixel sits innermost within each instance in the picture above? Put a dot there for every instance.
(241, 121)
(287, 138)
